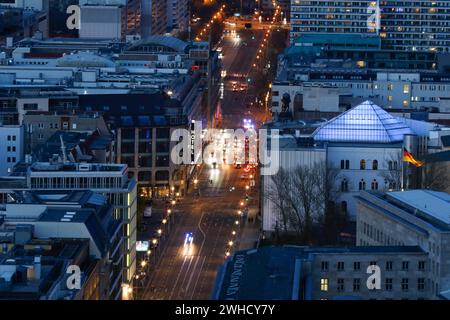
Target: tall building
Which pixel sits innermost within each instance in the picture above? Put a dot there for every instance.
(108, 179)
(145, 17)
(24, 18)
(402, 25)
(11, 147)
(177, 15)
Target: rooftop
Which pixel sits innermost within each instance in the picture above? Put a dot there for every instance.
(271, 273)
(431, 203)
(366, 123)
(170, 42)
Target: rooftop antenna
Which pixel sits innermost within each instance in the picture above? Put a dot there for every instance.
(63, 149)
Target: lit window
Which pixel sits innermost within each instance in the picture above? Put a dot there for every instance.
(406, 88)
(362, 165)
(324, 284)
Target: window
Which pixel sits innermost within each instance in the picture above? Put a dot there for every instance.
(340, 284)
(388, 265)
(30, 106)
(390, 165)
(344, 185)
(344, 206)
(362, 185)
(356, 284)
(345, 164)
(372, 263)
(9, 138)
(405, 265)
(145, 176)
(421, 284)
(324, 265)
(421, 265)
(388, 284)
(356, 266)
(324, 284)
(405, 284)
(162, 176)
(362, 165)
(406, 88)
(340, 265)
(374, 184)
(375, 165)
(9, 148)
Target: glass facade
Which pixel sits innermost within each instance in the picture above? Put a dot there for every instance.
(366, 123)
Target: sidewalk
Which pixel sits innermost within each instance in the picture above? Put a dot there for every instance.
(250, 232)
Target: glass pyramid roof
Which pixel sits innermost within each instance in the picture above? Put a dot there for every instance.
(367, 123)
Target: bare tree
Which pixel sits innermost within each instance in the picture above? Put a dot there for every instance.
(301, 197)
(276, 195)
(393, 176)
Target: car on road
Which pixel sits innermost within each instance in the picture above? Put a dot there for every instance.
(188, 239)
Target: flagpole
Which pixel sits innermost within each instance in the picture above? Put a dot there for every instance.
(402, 183)
(402, 176)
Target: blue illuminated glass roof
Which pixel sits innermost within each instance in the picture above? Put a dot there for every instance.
(366, 123)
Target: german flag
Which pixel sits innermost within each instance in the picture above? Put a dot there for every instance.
(408, 157)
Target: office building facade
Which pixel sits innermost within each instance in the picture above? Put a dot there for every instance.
(412, 217)
(401, 25)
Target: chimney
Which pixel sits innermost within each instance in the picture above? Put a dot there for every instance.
(37, 267)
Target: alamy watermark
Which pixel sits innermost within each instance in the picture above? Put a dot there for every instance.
(374, 280)
(73, 281)
(74, 20)
(237, 146)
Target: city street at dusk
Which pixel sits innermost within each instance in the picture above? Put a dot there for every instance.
(224, 158)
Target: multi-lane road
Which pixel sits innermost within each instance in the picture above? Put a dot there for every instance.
(212, 215)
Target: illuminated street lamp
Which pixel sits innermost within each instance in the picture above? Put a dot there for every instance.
(233, 233)
(236, 222)
(154, 241)
(164, 221)
(230, 243)
(169, 211)
(159, 232)
(242, 203)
